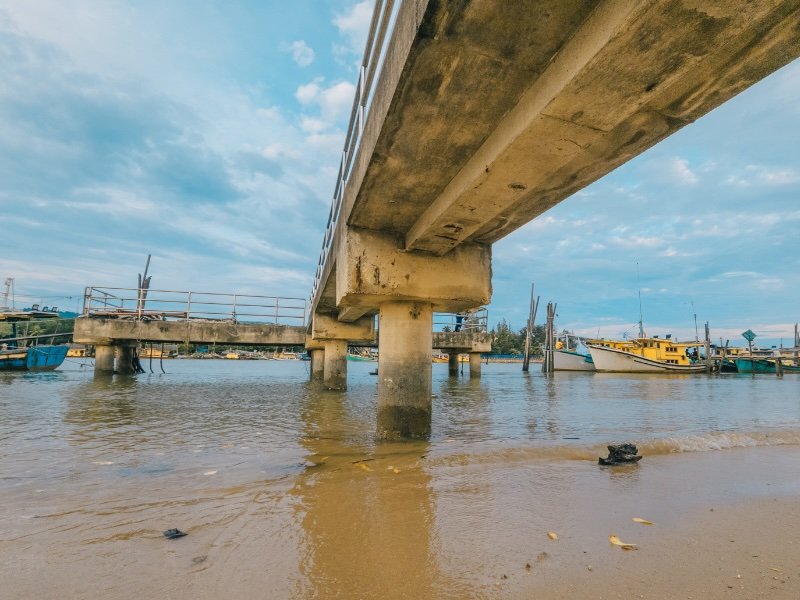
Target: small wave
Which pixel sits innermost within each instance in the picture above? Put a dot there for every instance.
(705, 442)
(720, 440)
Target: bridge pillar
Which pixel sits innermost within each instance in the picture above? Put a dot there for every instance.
(474, 364)
(104, 359)
(404, 369)
(334, 375)
(452, 363)
(317, 364)
(125, 360)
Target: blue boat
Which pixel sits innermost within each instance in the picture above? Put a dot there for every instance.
(35, 358)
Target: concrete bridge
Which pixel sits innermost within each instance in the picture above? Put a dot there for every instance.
(482, 115)
(117, 320)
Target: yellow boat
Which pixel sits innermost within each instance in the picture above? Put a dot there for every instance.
(647, 355)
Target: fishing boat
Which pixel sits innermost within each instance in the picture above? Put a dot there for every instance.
(647, 355)
(33, 357)
(571, 360)
(571, 354)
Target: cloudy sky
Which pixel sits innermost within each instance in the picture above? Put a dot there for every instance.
(208, 134)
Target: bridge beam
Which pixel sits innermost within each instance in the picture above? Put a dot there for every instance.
(404, 369)
(373, 268)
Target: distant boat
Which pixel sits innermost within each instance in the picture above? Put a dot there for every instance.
(30, 358)
(35, 358)
(572, 354)
(763, 365)
(646, 355)
(572, 360)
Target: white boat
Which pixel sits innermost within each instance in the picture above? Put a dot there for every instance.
(571, 360)
(644, 356)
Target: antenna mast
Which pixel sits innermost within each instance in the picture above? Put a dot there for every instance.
(641, 318)
(9, 287)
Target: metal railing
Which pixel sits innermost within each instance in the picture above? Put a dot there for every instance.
(370, 63)
(171, 305)
(473, 321)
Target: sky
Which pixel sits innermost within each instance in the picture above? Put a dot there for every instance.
(208, 134)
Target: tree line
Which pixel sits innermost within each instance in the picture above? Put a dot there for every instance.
(506, 341)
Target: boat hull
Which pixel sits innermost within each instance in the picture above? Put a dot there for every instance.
(35, 358)
(565, 360)
(611, 360)
(762, 365)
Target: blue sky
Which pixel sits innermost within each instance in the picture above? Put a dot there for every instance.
(209, 134)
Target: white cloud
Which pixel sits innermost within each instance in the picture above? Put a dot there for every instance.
(354, 25)
(334, 102)
(678, 169)
(763, 175)
(312, 125)
(309, 92)
(302, 54)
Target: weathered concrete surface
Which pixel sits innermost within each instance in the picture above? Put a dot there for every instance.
(334, 376)
(489, 113)
(104, 359)
(462, 341)
(474, 364)
(373, 268)
(452, 363)
(325, 327)
(404, 369)
(100, 331)
(317, 364)
(124, 365)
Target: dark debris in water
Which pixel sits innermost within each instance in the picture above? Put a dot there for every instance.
(622, 454)
(173, 534)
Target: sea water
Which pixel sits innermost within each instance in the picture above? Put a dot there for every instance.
(285, 491)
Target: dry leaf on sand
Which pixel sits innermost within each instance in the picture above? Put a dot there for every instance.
(618, 542)
(641, 520)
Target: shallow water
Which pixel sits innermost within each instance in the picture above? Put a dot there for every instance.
(285, 491)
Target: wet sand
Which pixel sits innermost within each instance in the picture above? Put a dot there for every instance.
(442, 526)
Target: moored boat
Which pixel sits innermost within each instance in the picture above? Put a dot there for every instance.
(747, 364)
(34, 358)
(572, 360)
(646, 355)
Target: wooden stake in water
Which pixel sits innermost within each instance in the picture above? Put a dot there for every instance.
(550, 342)
(529, 333)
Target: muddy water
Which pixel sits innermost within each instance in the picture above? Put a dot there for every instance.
(285, 492)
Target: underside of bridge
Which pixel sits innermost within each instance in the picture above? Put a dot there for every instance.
(489, 113)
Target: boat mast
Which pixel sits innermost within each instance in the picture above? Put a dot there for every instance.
(641, 318)
(9, 287)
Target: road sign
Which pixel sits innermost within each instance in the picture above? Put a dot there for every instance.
(749, 335)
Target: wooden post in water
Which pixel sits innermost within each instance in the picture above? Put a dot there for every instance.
(549, 336)
(529, 333)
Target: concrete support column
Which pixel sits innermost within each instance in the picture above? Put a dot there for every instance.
(317, 364)
(452, 363)
(474, 364)
(404, 369)
(104, 359)
(335, 369)
(125, 360)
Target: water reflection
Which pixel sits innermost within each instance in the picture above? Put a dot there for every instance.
(365, 511)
